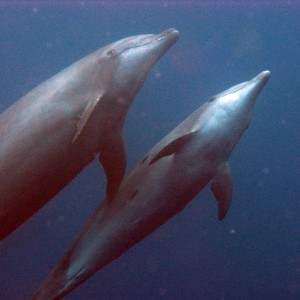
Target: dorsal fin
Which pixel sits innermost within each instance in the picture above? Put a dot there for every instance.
(173, 147)
(85, 116)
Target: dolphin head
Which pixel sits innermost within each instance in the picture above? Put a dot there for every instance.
(238, 101)
(127, 62)
(224, 118)
(235, 105)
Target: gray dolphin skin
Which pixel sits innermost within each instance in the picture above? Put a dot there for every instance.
(161, 185)
(54, 131)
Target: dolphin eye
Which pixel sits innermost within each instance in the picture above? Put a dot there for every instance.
(111, 52)
(212, 99)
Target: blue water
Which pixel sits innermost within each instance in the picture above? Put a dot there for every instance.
(255, 252)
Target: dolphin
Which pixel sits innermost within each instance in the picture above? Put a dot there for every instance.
(165, 180)
(57, 129)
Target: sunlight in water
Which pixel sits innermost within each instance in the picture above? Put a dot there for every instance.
(153, 4)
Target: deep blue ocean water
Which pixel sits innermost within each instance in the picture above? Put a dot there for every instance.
(255, 252)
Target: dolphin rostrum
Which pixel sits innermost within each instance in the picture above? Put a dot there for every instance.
(53, 132)
(161, 185)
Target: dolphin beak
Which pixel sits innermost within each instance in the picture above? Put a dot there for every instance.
(167, 38)
(161, 42)
(263, 77)
(164, 40)
(170, 35)
(255, 85)
(260, 80)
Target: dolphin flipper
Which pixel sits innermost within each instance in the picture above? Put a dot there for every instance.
(221, 187)
(85, 116)
(112, 156)
(173, 147)
(113, 160)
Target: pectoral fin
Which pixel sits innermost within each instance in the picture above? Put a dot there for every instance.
(85, 116)
(173, 147)
(221, 187)
(113, 160)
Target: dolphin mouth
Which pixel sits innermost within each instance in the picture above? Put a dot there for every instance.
(171, 34)
(167, 37)
(262, 77)
(260, 80)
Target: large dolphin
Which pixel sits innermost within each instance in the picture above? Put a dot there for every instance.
(161, 185)
(53, 132)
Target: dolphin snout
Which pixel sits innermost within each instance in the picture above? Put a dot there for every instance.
(263, 77)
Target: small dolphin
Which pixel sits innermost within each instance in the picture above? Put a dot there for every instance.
(53, 132)
(161, 185)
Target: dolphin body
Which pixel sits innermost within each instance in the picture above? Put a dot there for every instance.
(54, 131)
(161, 185)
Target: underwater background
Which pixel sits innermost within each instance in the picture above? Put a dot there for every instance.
(255, 252)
